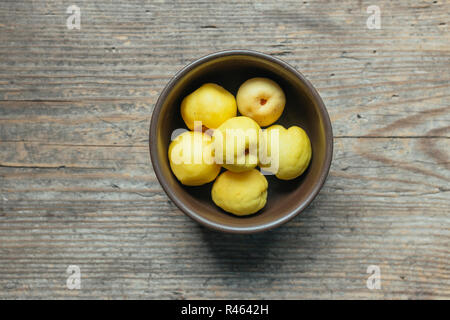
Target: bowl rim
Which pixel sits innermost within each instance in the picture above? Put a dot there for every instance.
(192, 214)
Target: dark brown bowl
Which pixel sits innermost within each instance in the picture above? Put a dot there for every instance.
(304, 108)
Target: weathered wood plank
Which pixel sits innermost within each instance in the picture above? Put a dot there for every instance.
(77, 186)
(107, 220)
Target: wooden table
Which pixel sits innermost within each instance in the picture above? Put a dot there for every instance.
(77, 186)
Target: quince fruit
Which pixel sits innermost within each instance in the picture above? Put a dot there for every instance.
(262, 100)
(236, 144)
(191, 157)
(211, 104)
(240, 193)
(292, 151)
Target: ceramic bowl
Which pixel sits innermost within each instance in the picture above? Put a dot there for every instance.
(304, 108)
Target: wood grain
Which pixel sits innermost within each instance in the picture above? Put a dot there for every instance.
(77, 186)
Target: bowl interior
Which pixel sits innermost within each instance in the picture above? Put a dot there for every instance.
(303, 108)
